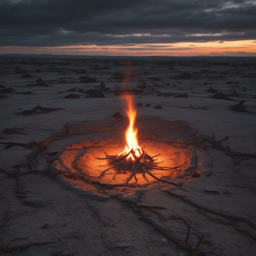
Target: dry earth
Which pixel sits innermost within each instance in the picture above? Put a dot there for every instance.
(55, 122)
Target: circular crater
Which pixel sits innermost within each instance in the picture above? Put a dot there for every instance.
(92, 164)
(88, 164)
(85, 166)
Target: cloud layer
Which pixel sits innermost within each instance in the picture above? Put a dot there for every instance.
(117, 22)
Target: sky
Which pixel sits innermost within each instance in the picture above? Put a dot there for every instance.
(128, 27)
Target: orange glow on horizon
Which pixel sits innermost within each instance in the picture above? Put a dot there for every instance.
(214, 48)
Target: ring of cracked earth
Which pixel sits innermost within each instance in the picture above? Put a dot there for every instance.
(80, 166)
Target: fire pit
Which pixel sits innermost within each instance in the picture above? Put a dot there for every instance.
(108, 167)
(133, 159)
(161, 155)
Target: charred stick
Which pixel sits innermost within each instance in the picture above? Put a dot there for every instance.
(108, 170)
(133, 174)
(149, 157)
(180, 218)
(119, 171)
(107, 156)
(186, 240)
(172, 183)
(24, 145)
(145, 177)
(225, 139)
(150, 206)
(123, 157)
(114, 122)
(138, 159)
(155, 156)
(168, 168)
(200, 240)
(163, 231)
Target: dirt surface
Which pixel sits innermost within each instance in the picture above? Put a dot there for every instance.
(52, 200)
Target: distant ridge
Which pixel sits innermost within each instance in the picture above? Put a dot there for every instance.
(103, 57)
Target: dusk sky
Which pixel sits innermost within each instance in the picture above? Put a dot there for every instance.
(134, 27)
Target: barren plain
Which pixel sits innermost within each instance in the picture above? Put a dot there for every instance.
(59, 115)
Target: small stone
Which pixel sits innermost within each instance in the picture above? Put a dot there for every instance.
(38, 71)
(164, 240)
(239, 107)
(63, 82)
(72, 96)
(132, 197)
(45, 226)
(13, 131)
(95, 93)
(212, 90)
(117, 115)
(158, 107)
(40, 82)
(139, 105)
(123, 245)
(6, 90)
(25, 93)
(94, 196)
(87, 79)
(226, 192)
(185, 95)
(147, 105)
(211, 190)
(195, 175)
(26, 75)
(221, 96)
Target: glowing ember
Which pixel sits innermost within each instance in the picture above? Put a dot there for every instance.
(131, 134)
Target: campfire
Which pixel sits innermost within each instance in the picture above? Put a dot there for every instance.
(133, 159)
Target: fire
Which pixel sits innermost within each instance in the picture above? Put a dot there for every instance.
(133, 158)
(131, 133)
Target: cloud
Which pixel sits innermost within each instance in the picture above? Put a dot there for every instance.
(115, 22)
(234, 54)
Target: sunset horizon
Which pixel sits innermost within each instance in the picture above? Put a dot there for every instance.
(136, 28)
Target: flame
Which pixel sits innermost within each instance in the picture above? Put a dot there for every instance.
(131, 132)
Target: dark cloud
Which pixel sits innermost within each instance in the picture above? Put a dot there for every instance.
(112, 22)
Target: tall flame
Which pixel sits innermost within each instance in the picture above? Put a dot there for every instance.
(131, 132)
